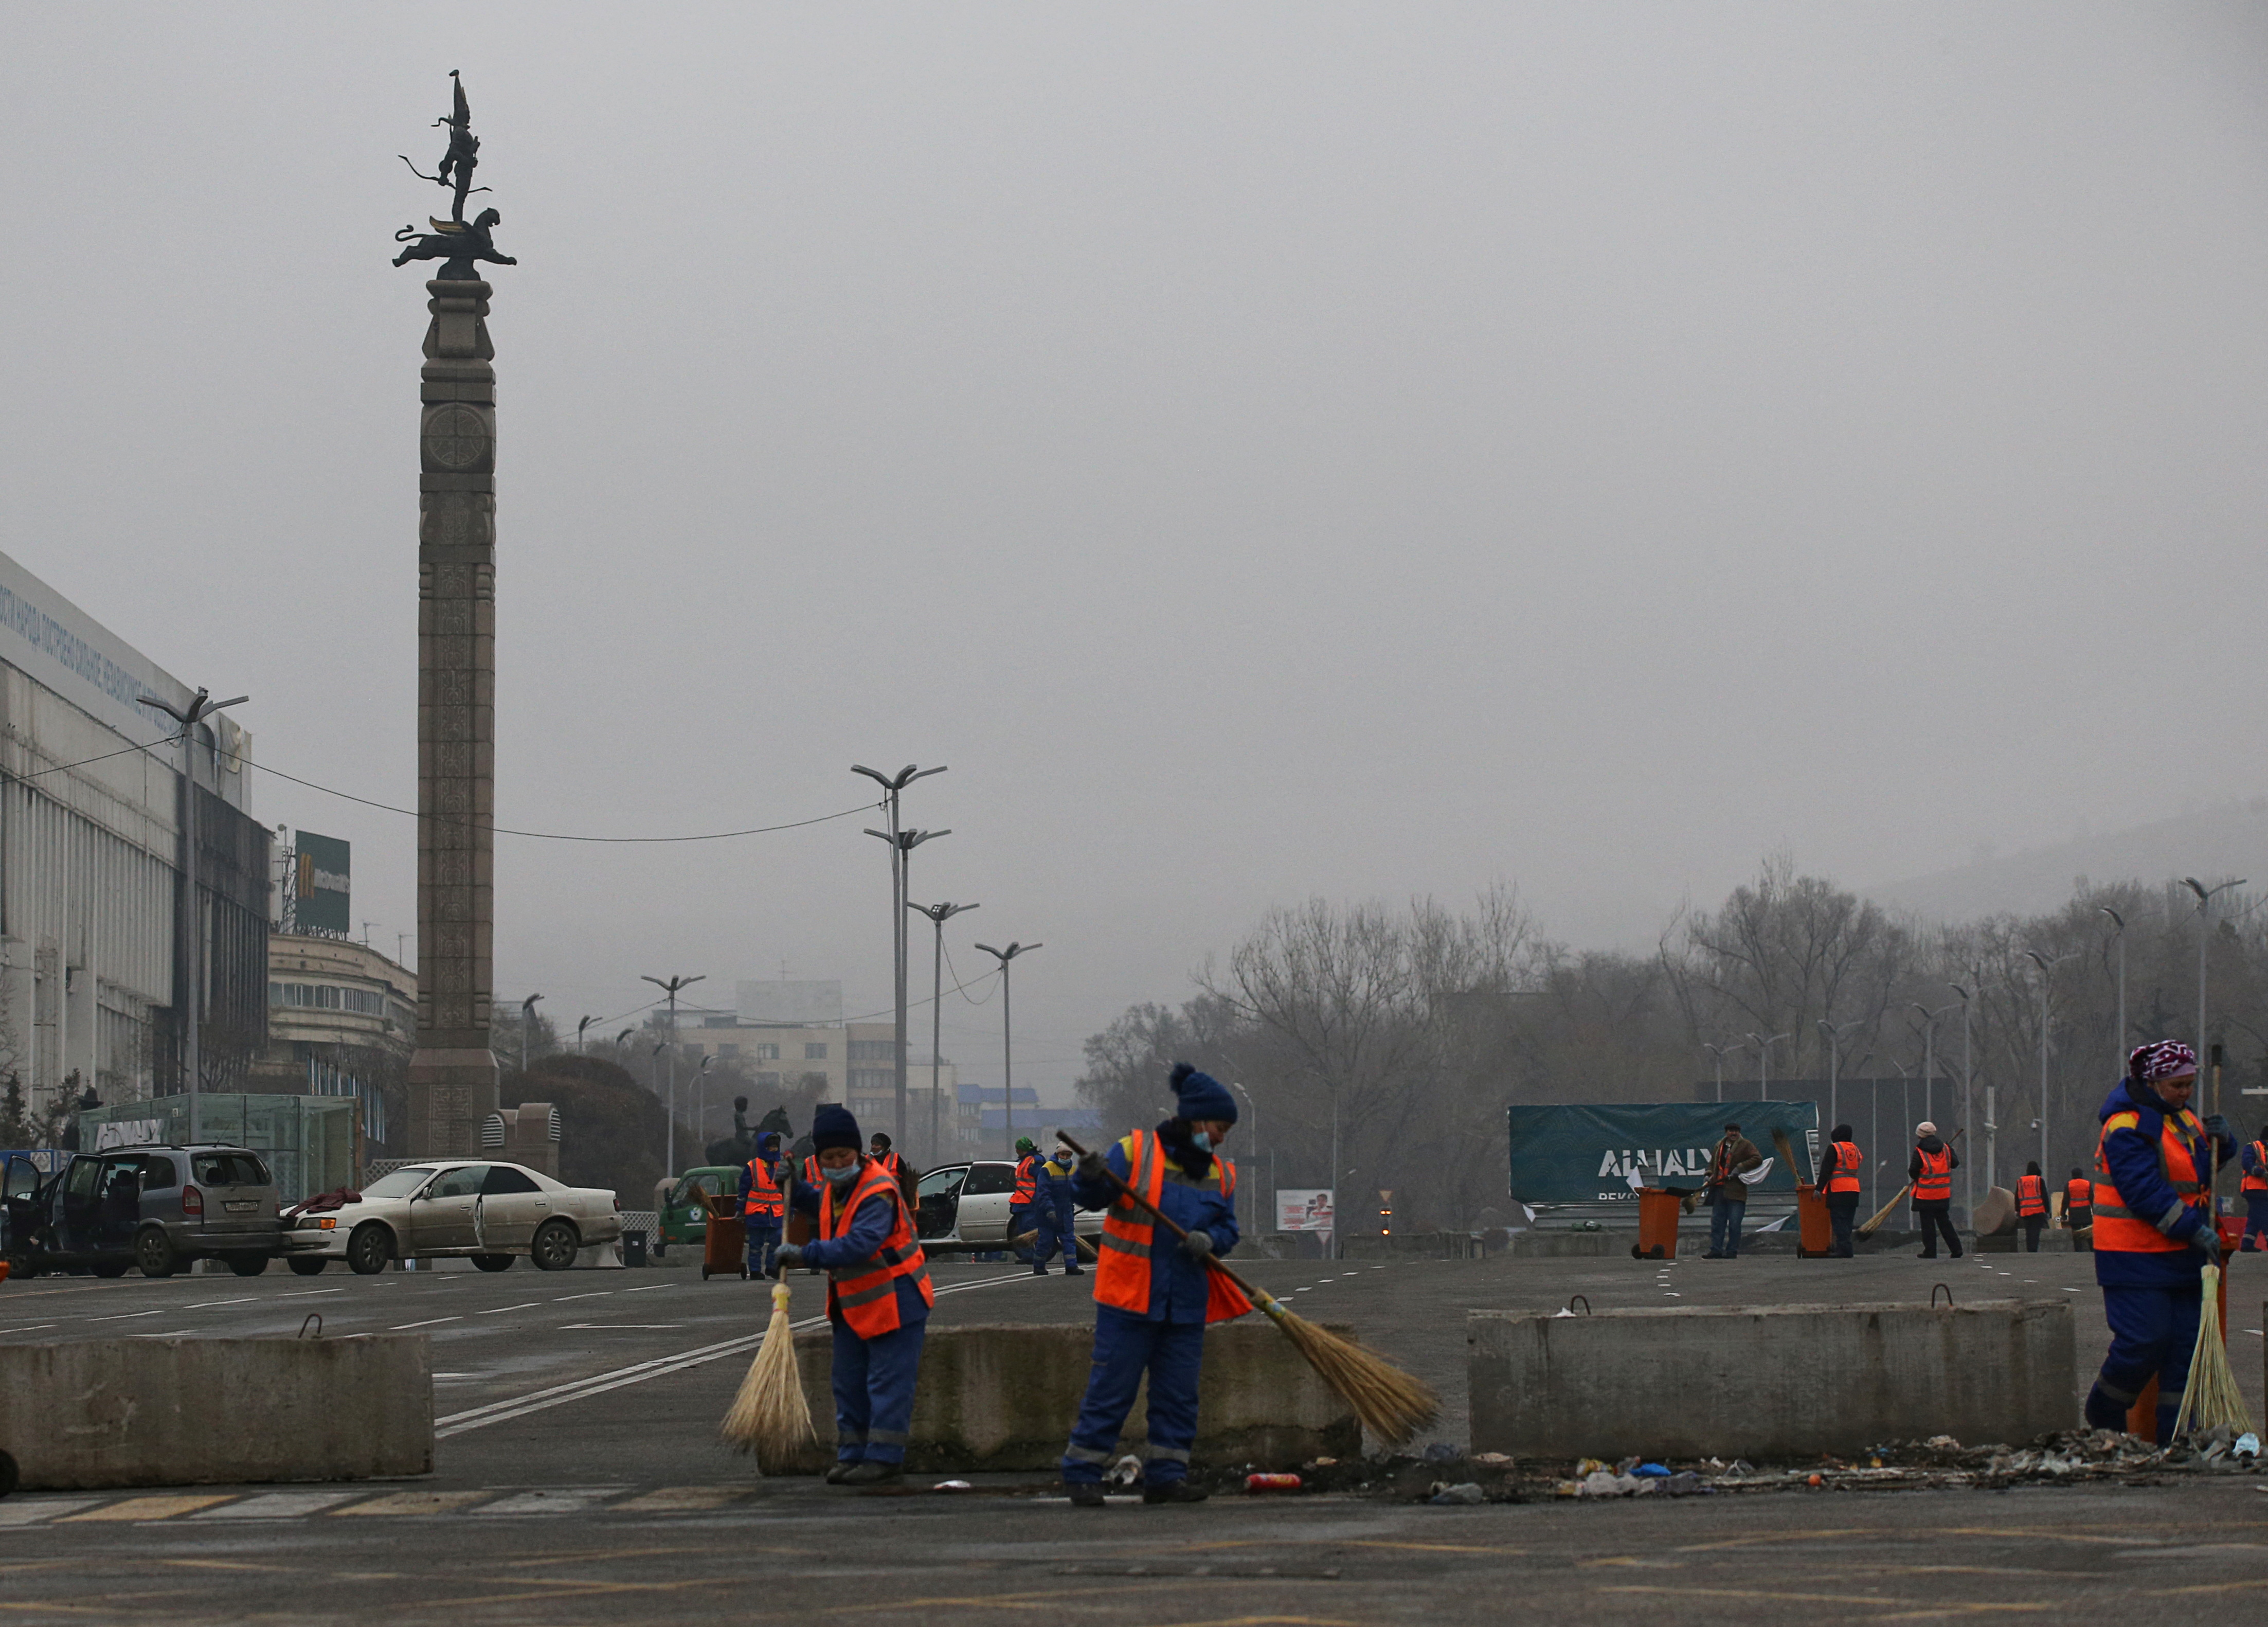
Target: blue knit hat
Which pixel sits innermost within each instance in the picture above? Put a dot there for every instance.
(768, 1143)
(1200, 1095)
(832, 1126)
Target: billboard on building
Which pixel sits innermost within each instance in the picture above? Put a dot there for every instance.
(1584, 1154)
(321, 899)
(1304, 1209)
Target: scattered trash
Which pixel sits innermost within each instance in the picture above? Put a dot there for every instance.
(1450, 1496)
(1271, 1483)
(1588, 1465)
(1127, 1471)
(1494, 1460)
(1442, 1452)
(1651, 1471)
(953, 1485)
(1685, 1483)
(1324, 1462)
(1943, 1443)
(1816, 1479)
(1742, 1466)
(2248, 1445)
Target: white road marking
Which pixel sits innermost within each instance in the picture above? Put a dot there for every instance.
(34, 1510)
(564, 1500)
(571, 1327)
(435, 1322)
(306, 1294)
(278, 1505)
(130, 1315)
(596, 1293)
(34, 1327)
(638, 1372)
(649, 1288)
(209, 1304)
(496, 1310)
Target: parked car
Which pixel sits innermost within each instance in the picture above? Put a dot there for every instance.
(680, 1214)
(966, 1204)
(160, 1208)
(490, 1212)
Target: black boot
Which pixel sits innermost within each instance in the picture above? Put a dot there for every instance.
(1175, 1491)
(1084, 1494)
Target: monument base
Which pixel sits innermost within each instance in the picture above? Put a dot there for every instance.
(452, 1093)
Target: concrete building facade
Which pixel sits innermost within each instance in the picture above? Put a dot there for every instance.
(93, 920)
(341, 1019)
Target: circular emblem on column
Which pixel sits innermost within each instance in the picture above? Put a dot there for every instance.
(456, 437)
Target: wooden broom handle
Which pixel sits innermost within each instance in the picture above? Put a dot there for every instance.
(1254, 1294)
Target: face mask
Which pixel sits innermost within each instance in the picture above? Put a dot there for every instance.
(842, 1176)
(1202, 1140)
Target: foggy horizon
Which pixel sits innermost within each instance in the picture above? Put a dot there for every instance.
(1265, 454)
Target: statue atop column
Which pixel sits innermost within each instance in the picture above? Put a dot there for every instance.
(456, 240)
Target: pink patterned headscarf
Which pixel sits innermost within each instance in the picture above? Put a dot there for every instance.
(2167, 1059)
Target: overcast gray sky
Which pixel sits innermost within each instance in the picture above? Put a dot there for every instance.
(1265, 450)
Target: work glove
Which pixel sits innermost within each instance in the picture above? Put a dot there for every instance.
(1092, 1168)
(790, 1256)
(2206, 1240)
(1198, 1245)
(2221, 1130)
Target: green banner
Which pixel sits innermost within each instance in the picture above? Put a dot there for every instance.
(321, 897)
(1591, 1154)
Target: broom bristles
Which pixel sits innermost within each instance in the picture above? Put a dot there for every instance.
(1387, 1402)
(770, 1416)
(2212, 1398)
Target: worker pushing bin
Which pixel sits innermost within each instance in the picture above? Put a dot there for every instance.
(1815, 1226)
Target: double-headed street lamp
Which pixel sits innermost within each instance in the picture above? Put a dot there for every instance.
(190, 933)
(1834, 1033)
(893, 784)
(2047, 971)
(581, 1046)
(1007, 1077)
(938, 914)
(528, 1022)
(2118, 1041)
(670, 986)
(1764, 1042)
(1719, 1052)
(2204, 896)
(1969, 1106)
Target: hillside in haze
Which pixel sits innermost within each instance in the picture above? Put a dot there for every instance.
(2213, 844)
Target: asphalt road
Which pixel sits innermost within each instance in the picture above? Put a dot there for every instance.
(580, 1479)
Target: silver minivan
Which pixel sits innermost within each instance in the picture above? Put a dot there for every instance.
(158, 1208)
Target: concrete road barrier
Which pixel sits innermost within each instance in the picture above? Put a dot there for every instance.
(169, 1412)
(1776, 1382)
(1003, 1397)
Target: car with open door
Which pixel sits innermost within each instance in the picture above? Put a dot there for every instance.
(963, 1208)
(160, 1208)
(483, 1209)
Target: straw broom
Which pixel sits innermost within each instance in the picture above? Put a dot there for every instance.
(770, 1416)
(2212, 1398)
(1883, 1213)
(1390, 1404)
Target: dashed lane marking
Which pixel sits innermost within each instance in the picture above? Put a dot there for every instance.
(433, 1322)
(596, 1293)
(498, 1310)
(615, 1327)
(145, 1508)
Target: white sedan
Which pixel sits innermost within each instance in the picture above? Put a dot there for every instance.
(488, 1211)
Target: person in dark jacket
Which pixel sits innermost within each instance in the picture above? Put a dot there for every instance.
(2254, 1163)
(1842, 1180)
(1154, 1291)
(2032, 1205)
(1053, 1214)
(2078, 1209)
(2154, 1230)
(1728, 1195)
(1930, 1172)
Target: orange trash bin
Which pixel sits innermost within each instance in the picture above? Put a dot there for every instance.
(1815, 1226)
(1657, 1224)
(725, 1243)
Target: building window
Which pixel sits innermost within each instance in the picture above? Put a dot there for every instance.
(767, 1051)
(874, 1051)
(728, 1051)
(814, 1050)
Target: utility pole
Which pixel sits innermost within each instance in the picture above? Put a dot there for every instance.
(2047, 970)
(1255, 1107)
(2205, 910)
(1969, 1107)
(1835, 1069)
(1764, 1062)
(1719, 1052)
(670, 986)
(938, 914)
(2118, 1041)
(1007, 1076)
(193, 938)
(528, 1022)
(582, 1047)
(701, 1103)
(892, 785)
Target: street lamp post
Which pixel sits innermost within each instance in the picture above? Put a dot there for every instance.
(192, 933)
(938, 914)
(701, 1104)
(892, 785)
(670, 986)
(1255, 1109)
(1007, 1052)
(526, 1021)
(582, 1046)
(1719, 1053)
(2047, 970)
(1968, 1109)
(2118, 923)
(1764, 1042)
(2204, 910)
(1835, 1068)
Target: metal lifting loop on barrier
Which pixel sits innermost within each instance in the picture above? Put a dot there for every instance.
(1938, 1289)
(315, 1321)
(1586, 1303)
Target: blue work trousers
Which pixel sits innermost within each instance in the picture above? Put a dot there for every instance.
(1725, 1228)
(1126, 1347)
(2256, 1222)
(763, 1243)
(2152, 1332)
(1021, 1220)
(874, 1393)
(1054, 1215)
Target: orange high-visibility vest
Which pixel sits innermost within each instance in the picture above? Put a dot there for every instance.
(811, 1176)
(1845, 1176)
(1936, 1183)
(764, 1197)
(1121, 1271)
(2078, 1193)
(2031, 1196)
(2258, 1180)
(2117, 1229)
(892, 1162)
(867, 1295)
(1027, 1182)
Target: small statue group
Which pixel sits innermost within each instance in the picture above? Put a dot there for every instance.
(459, 242)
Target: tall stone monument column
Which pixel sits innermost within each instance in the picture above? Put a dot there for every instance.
(452, 1074)
(452, 1077)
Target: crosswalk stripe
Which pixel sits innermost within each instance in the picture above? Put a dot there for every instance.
(30, 1511)
(414, 1503)
(146, 1508)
